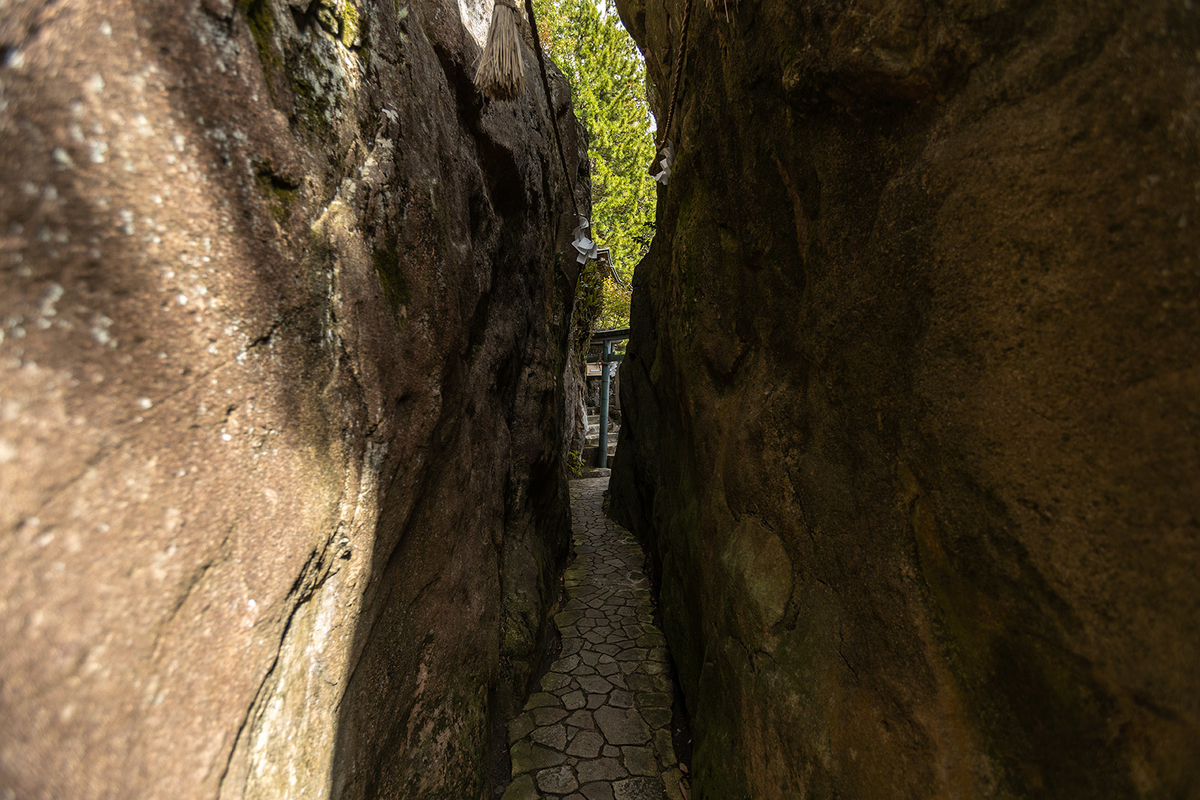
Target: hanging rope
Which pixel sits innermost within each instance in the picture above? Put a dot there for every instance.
(562, 156)
(679, 54)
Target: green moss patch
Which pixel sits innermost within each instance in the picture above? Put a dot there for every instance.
(350, 25)
(395, 287)
(280, 191)
(261, 20)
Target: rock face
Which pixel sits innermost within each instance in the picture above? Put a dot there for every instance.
(282, 345)
(911, 404)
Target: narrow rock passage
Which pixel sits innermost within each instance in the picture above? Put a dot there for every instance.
(600, 727)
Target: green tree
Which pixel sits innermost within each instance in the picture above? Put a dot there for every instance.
(587, 41)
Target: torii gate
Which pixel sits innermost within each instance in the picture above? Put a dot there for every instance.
(606, 340)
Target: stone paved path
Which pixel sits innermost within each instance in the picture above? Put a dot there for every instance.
(600, 727)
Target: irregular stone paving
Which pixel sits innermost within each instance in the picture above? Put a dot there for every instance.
(600, 729)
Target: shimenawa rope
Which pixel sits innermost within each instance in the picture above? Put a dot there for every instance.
(562, 157)
(683, 37)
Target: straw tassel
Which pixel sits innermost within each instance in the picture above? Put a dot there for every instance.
(501, 73)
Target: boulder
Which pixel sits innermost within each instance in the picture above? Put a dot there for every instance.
(910, 411)
(283, 341)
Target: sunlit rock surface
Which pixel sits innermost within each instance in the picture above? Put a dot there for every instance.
(912, 404)
(282, 344)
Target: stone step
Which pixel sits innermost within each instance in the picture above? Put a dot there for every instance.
(589, 452)
(593, 429)
(594, 441)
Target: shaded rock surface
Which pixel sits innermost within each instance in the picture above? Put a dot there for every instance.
(282, 346)
(910, 410)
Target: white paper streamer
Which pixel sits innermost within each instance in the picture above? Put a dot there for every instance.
(666, 158)
(586, 247)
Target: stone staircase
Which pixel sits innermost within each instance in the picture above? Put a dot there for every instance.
(592, 442)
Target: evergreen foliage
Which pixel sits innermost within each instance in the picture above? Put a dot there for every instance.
(587, 41)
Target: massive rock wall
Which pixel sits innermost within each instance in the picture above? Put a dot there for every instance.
(282, 343)
(911, 404)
